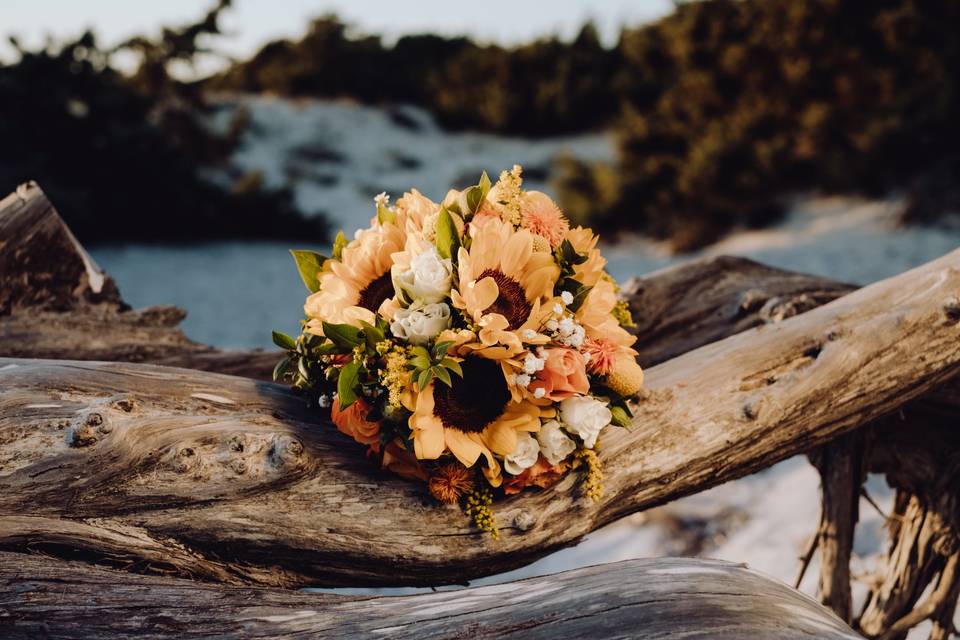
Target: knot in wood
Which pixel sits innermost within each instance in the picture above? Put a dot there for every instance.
(751, 300)
(951, 308)
(285, 451)
(776, 310)
(524, 520)
(127, 405)
(87, 430)
(237, 443)
(185, 460)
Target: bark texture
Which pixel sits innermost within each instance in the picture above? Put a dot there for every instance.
(842, 467)
(918, 449)
(55, 302)
(666, 598)
(681, 308)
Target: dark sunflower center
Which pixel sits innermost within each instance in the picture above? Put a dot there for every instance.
(512, 302)
(376, 292)
(473, 401)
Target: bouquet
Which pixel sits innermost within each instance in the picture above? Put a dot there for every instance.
(476, 345)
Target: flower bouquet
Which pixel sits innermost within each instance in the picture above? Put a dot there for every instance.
(476, 345)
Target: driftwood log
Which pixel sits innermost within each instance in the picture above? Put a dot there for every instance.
(231, 479)
(668, 598)
(55, 302)
(679, 309)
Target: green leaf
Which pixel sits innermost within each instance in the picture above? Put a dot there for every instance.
(345, 336)
(440, 349)
(303, 369)
(474, 196)
(621, 416)
(420, 363)
(424, 379)
(448, 240)
(485, 184)
(473, 199)
(579, 298)
(338, 244)
(385, 215)
(281, 369)
(373, 335)
(325, 349)
(569, 255)
(284, 341)
(443, 375)
(309, 342)
(309, 264)
(347, 383)
(420, 358)
(420, 351)
(453, 365)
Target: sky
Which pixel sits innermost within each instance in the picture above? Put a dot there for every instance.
(251, 23)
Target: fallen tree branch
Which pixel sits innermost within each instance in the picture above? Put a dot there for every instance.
(638, 598)
(55, 302)
(681, 308)
(235, 478)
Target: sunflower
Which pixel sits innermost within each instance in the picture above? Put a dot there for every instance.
(474, 416)
(358, 285)
(503, 282)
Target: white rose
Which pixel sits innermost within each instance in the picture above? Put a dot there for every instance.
(585, 416)
(429, 278)
(524, 456)
(554, 444)
(421, 323)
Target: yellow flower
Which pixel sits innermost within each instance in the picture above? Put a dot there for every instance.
(472, 418)
(359, 285)
(596, 316)
(626, 378)
(585, 243)
(505, 196)
(503, 282)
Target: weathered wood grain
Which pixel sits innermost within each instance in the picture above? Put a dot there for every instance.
(651, 599)
(42, 266)
(680, 308)
(55, 302)
(240, 484)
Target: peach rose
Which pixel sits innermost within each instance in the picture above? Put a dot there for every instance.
(542, 474)
(353, 421)
(564, 374)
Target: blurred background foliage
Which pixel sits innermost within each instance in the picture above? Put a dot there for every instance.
(721, 111)
(123, 157)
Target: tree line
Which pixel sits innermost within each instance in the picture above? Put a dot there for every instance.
(721, 109)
